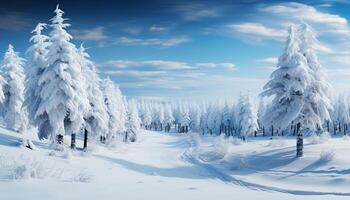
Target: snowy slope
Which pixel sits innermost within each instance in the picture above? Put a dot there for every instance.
(163, 166)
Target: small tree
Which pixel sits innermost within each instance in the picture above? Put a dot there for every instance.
(15, 115)
(248, 119)
(133, 122)
(168, 117)
(115, 109)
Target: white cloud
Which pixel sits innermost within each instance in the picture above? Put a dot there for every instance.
(302, 12)
(198, 11)
(133, 72)
(155, 28)
(164, 64)
(152, 41)
(13, 21)
(159, 64)
(229, 66)
(133, 30)
(269, 60)
(95, 34)
(258, 30)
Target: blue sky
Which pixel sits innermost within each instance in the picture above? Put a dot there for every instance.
(189, 49)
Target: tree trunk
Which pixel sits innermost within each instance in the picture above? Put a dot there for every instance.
(344, 129)
(60, 139)
(300, 142)
(263, 131)
(73, 141)
(272, 130)
(85, 138)
(328, 126)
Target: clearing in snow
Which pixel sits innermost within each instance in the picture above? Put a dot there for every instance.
(177, 166)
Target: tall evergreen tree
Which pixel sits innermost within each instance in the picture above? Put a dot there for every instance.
(63, 96)
(36, 64)
(96, 119)
(291, 86)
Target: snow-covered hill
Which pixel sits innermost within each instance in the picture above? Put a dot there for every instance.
(166, 166)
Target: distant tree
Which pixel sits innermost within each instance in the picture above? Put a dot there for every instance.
(115, 108)
(133, 122)
(341, 113)
(248, 119)
(168, 117)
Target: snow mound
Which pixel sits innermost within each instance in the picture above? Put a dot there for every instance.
(319, 139)
(327, 155)
(83, 177)
(238, 162)
(22, 168)
(277, 143)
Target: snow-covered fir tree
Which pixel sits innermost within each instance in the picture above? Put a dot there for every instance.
(96, 119)
(36, 64)
(341, 113)
(295, 93)
(168, 117)
(133, 122)
(115, 108)
(15, 115)
(64, 101)
(248, 119)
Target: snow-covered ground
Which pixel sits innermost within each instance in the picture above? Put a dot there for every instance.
(172, 166)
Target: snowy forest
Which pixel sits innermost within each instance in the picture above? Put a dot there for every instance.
(53, 99)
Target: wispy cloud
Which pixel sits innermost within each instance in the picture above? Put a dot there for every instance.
(229, 66)
(302, 12)
(165, 65)
(167, 42)
(258, 30)
(155, 28)
(13, 21)
(95, 34)
(197, 11)
(268, 60)
(159, 64)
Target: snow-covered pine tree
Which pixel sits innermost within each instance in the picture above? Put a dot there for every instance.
(248, 119)
(147, 120)
(195, 116)
(292, 87)
(115, 108)
(226, 119)
(96, 119)
(15, 114)
(36, 64)
(168, 117)
(63, 96)
(320, 94)
(133, 122)
(160, 116)
(341, 113)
